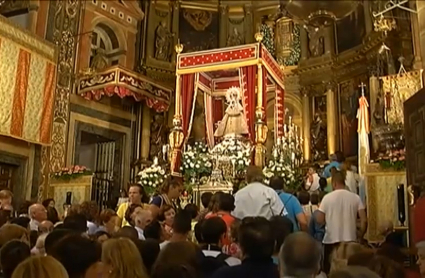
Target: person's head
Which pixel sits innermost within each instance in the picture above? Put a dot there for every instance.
(149, 250)
(254, 174)
(79, 255)
(226, 202)
(277, 183)
(49, 203)
(421, 259)
(131, 212)
(40, 267)
(12, 254)
(311, 170)
(172, 187)
(154, 231)
(362, 258)
(21, 221)
(340, 156)
(198, 231)
(135, 194)
(108, 219)
(303, 197)
(5, 198)
(213, 231)
(323, 183)
(9, 232)
(121, 258)
(75, 222)
(167, 214)
(205, 199)
(37, 212)
(182, 224)
(101, 236)
(192, 209)
(52, 214)
(282, 227)
(90, 210)
(300, 256)
(385, 267)
(338, 180)
(40, 245)
(215, 201)
(354, 272)
(127, 232)
(45, 227)
(54, 237)
(256, 238)
(386, 227)
(177, 259)
(314, 199)
(143, 218)
(333, 170)
(340, 255)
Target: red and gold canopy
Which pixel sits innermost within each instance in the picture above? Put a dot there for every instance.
(125, 83)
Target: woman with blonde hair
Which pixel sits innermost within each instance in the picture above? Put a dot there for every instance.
(122, 259)
(9, 232)
(40, 267)
(343, 252)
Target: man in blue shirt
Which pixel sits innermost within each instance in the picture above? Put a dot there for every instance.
(336, 160)
(291, 204)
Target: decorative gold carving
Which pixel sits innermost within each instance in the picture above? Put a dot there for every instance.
(163, 42)
(236, 21)
(65, 36)
(199, 19)
(9, 7)
(161, 13)
(283, 32)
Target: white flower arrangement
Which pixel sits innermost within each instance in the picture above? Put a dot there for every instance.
(152, 176)
(235, 151)
(281, 169)
(196, 161)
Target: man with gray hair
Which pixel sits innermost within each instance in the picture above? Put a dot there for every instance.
(300, 256)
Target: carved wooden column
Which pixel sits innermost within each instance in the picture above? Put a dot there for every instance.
(306, 127)
(146, 132)
(331, 118)
(249, 25)
(224, 19)
(304, 43)
(329, 35)
(417, 62)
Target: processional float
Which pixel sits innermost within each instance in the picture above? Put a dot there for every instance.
(251, 69)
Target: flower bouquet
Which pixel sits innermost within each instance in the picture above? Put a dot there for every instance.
(152, 176)
(393, 159)
(72, 172)
(196, 162)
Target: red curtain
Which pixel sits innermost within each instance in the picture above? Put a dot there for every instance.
(265, 79)
(279, 112)
(249, 82)
(217, 110)
(187, 93)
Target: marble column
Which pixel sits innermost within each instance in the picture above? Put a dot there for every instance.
(417, 62)
(420, 7)
(306, 127)
(304, 43)
(332, 119)
(146, 132)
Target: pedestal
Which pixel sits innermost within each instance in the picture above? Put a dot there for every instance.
(382, 200)
(81, 188)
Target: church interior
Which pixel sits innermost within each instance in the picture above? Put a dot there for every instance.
(96, 95)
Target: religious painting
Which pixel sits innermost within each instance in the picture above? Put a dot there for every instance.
(318, 129)
(351, 30)
(198, 29)
(349, 94)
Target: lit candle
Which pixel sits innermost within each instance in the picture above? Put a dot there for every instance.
(284, 128)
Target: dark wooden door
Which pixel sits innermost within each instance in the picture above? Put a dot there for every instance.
(414, 125)
(6, 176)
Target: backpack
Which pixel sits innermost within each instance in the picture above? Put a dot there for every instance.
(210, 264)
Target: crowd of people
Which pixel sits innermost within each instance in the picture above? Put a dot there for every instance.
(260, 231)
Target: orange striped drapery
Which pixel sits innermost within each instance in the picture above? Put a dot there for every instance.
(27, 83)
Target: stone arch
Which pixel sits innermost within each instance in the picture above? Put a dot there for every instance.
(111, 27)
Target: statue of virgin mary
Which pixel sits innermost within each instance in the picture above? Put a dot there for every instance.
(233, 122)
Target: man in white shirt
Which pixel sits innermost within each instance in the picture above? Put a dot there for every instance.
(312, 182)
(339, 210)
(37, 214)
(141, 220)
(257, 199)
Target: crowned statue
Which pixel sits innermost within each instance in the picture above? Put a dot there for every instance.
(233, 122)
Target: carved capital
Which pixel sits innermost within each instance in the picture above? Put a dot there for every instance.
(248, 9)
(224, 9)
(331, 86)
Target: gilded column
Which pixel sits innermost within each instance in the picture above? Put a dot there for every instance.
(304, 43)
(146, 132)
(332, 118)
(224, 15)
(417, 62)
(260, 126)
(306, 127)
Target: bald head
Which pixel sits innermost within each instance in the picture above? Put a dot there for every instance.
(45, 226)
(37, 212)
(143, 218)
(300, 256)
